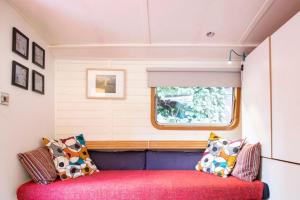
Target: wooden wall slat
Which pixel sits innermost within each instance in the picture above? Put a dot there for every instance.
(140, 145)
(177, 144)
(117, 145)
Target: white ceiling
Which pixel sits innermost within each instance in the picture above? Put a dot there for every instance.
(113, 25)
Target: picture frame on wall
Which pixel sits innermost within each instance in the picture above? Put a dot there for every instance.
(38, 82)
(20, 75)
(106, 83)
(38, 55)
(20, 43)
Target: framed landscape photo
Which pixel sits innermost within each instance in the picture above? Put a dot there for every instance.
(38, 55)
(38, 82)
(20, 43)
(20, 75)
(106, 83)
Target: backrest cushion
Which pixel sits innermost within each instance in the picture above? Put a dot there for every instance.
(126, 160)
(70, 156)
(248, 162)
(220, 156)
(172, 160)
(39, 165)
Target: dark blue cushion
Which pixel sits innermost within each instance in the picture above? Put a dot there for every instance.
(127, 160)
(266, 191)
(172, 160)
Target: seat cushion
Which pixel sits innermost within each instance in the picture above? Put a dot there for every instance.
(144, 185)
(126, 160)
(172, 160)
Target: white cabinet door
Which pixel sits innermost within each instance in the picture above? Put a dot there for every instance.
(286, 90)
(256, 120)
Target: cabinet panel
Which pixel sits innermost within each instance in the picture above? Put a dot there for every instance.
(286, 91)
(256, 118)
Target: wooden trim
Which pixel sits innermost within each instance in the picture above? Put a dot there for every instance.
(234, 123)
(137, 145)
(142, 145)
(177, 144)
(108, 69)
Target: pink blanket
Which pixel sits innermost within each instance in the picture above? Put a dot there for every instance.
(144, 185)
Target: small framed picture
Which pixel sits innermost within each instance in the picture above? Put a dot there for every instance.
(38, 55)
(38, 82)
(20, 75)
(106, 83)
(20, 43)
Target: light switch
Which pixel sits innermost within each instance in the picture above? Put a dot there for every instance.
(4, 99)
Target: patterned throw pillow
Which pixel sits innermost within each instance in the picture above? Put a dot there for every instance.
(39, 165)
(248, 162)
(70, 157)
(220, 156)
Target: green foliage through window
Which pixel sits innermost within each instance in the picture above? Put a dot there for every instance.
(194, 105)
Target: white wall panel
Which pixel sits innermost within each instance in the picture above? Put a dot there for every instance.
(29, 116)
(285, 90)
(127, 119)
(283, 179)
(256, 98)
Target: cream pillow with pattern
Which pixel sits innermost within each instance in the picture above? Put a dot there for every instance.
(220, 156)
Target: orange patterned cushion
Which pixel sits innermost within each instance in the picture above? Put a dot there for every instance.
(70, 157)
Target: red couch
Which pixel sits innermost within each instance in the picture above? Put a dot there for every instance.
(144, 185)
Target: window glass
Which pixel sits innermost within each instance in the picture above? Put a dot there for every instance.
(194, 106)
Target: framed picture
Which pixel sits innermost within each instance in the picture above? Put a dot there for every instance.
(20, 75)
(106, 83)
(38, 82)
(38, 55)
(20, 43)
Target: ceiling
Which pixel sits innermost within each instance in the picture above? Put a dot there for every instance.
(155, 28)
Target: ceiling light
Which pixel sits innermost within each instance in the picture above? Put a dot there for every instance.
(210, 34)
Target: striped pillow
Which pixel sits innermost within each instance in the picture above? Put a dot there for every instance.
(39, 165)
(248, 162)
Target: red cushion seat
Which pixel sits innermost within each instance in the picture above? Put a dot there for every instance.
(144, 185)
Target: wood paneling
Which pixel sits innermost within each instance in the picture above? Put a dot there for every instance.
(119, 120)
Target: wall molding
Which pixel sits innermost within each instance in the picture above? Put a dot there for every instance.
(259, 15)
(280, 160)
(152, 45)
(142, 145)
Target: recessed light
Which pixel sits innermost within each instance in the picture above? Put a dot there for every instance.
(210, 34)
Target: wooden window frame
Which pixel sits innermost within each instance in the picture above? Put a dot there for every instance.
(234, 123)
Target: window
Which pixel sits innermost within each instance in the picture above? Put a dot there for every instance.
(195, 108)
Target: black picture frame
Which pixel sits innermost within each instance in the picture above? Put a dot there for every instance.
(37, 49)
(17, 46)
(19, 72)
(35, 75)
